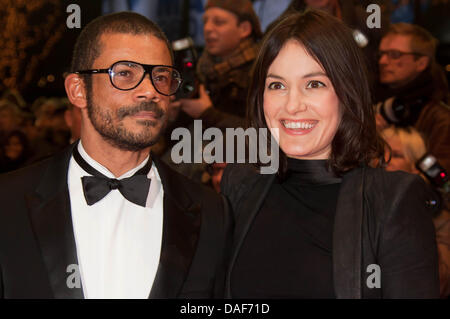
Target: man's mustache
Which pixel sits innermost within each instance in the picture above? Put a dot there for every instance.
(144, 106)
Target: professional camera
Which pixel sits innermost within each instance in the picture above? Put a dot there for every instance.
(434, 172)
(185, 61)
(401, 112)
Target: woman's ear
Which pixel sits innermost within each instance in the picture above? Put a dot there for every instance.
(76, 90)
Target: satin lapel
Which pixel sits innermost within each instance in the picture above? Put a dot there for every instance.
(246, 213)
(347, 236)
(49, 212)
(181, 227)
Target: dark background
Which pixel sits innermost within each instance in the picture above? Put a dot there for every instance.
(36, 45)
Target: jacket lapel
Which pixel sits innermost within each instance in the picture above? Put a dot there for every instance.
(247, 212)
(181, 226)
(49, 212)
(347, 236)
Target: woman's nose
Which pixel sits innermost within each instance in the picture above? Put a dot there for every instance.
(296, 102)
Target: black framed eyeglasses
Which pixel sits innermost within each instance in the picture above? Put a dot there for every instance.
(127, 75)
(395, 54)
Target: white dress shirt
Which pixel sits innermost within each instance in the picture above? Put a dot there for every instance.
(118, 242)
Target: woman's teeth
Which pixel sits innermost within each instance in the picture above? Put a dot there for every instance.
(297, 125)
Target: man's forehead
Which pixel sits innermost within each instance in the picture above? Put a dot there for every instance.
(219, 12)
(396, 41)
(124, 40)
(143, 48)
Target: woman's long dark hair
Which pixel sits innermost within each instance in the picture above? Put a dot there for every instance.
(331, 44)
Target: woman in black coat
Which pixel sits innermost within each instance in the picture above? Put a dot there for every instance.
(326, 225)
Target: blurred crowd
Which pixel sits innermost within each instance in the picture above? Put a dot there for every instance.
(31, 133)
(410, 96)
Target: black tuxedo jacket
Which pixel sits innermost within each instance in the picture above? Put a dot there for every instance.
(37, 241)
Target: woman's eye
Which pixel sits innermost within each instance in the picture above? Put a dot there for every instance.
(315, 85)
(276, 86)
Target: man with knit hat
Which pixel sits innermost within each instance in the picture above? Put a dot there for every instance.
(231, 29)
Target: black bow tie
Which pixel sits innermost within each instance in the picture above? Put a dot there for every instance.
(134, 188)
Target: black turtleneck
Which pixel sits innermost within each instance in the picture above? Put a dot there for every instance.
(287, 252)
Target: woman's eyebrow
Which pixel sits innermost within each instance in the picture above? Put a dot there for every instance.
(270, 75)
(309, 75)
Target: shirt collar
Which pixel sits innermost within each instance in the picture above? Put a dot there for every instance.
(102, 169)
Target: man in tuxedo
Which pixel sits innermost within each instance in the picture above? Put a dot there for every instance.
(105, 218)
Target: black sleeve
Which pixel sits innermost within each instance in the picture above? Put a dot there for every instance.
(1, 284)
(232, 184)
(408, 254)
(219, 285)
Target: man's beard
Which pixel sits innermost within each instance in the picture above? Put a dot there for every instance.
(110, 126)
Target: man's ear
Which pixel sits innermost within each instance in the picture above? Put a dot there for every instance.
(76, 90)
(422, 63)
(245, 29)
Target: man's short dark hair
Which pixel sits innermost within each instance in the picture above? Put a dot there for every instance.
(88, 45)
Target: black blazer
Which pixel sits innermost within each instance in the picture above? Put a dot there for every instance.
(381, 218)
(37, 240)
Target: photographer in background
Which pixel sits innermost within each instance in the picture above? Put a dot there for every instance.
(413, 90)
(231, 29)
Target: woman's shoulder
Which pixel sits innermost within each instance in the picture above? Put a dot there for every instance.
(239, 179)
(399, 182)
(243, 170)
(394, 187)
(236, 175)
(379, 177)
(391, 179)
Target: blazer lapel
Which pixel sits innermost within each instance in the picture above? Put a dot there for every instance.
(347, 236)
(49, 212)
(181, 226)
(247, 212)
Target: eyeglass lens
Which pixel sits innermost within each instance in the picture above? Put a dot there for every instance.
(392, 54)
(127, 75)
